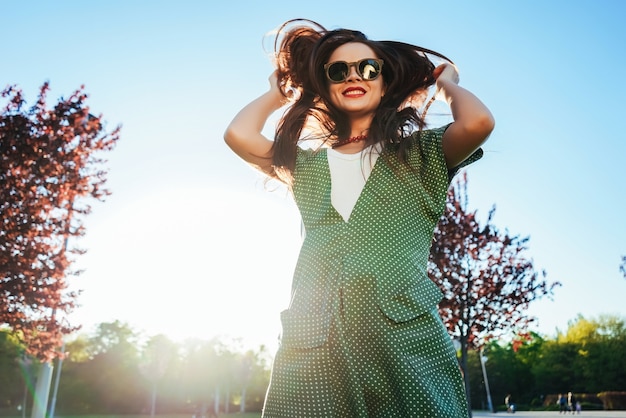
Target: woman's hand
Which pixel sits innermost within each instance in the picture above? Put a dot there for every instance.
(273, 80)
(281, 91)
(444, 74)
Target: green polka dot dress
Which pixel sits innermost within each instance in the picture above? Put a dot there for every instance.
(362, 336)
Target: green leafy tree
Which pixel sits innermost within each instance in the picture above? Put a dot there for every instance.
(158, 354)
(508, 370)
(77, 393)
(120, 386)
(78, 349)
(598, 363)
(486, 277)
(50, 169)
(13, 376)
(200, 378)
(216, 376)
(554, 370)
(259, 381)
(252, 374)
(587, 358)
(106, 373)
(109, 381)
(527, 349)
(171, 387)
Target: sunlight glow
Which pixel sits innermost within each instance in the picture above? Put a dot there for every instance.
(191, 267)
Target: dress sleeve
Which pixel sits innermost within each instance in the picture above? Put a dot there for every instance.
(430, 145)
(302, 156)
(476, 155)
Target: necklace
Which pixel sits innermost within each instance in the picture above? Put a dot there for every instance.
(350, 140)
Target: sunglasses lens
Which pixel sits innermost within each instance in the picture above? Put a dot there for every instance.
(369, 69)
(338, 71)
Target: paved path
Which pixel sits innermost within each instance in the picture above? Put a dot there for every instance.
(553, 414)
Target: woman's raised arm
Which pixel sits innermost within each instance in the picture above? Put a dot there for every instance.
(473, 122)
(243, 134)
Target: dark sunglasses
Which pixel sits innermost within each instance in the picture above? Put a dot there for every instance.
(368, 69)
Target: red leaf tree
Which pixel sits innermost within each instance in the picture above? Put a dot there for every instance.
(50, 168)
(487, 279)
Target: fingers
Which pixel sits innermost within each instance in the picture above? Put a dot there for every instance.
(446, 71)
(438, 70)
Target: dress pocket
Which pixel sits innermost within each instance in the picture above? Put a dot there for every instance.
(411, 302)
(303, 331)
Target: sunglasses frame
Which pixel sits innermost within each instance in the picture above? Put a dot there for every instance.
(356, 65)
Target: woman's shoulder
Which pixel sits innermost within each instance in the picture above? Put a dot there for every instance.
(309, 157)
(427, 147)
(426, 142)
(309, 151)
(429, 135)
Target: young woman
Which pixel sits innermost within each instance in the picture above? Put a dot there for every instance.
(361, 335)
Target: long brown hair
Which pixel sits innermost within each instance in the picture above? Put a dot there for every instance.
(301, 49)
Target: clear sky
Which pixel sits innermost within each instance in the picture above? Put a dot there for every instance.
(190, 243)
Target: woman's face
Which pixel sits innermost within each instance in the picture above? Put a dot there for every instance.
(355, 96)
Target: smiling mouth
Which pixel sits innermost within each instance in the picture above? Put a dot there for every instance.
(354, 92)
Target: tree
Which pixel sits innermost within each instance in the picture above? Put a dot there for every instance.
(260, 377)
(201, 374)
(118, 382)
(598, 363)
(527, 349)
(487, 280)
(11, 377)
(109, 335)
(50, 169)
(157, 355)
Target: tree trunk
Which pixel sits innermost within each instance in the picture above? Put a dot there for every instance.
(216, 405)
(227, 400)
(153, 399)
(242, 407)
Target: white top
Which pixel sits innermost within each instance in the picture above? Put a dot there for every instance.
(349, 173)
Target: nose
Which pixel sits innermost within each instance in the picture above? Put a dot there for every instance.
(352, 72)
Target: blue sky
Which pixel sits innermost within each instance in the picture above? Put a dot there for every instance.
(190, 244)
